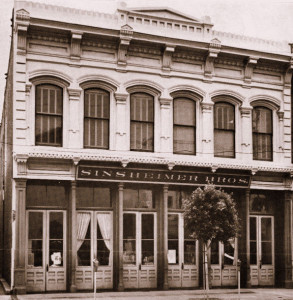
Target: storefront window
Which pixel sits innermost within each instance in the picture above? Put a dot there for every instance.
(176, 198)
(129, 239)
(189, 248)
(138, 199)
(259, 203)
(229, 252)
(215, 253)
(88, 196)
(45, 195)
(147, 239)
(83, 239)
(56, 239)
(35, 239)
(253, 245)
(173, 238)
(104, 232)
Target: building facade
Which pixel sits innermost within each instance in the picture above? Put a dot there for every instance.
(110, 120)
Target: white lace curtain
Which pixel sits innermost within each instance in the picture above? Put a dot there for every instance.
(83, 220)
(105, 224)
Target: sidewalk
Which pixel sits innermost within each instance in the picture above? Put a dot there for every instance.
(214, 294)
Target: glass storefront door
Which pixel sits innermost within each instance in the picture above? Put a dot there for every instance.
(139, 250)
(223, 259)
(94, 241)
(182, 254)
(45, 251)
(262, 268)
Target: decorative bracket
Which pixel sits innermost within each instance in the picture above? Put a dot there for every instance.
(281, 116)
(21, 160)
(171, 165)
(167, 57)
(28, 88)
(75, 52)
(288, 74)
(254, 171)
(22, 23)
(124, 162)
(75, 160)
(126, 33)
(214, 169)
(214, 50)
(250, 65)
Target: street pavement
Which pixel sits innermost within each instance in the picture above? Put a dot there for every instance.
(214, 294)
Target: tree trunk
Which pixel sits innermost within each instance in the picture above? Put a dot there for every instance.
(206, 270)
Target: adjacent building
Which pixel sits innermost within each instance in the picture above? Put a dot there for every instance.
(110, 120)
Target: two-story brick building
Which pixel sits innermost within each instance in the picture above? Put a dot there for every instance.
(110, 120)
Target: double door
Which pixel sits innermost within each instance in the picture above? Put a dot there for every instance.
(262, 269)
(182, 254)
(139, 250)
(94, 235)
(223, 260)
(45, 250)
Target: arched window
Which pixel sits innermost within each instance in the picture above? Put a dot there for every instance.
(224, 130)
(262, 129)
(184, 130)
(96, 118)
(49, 114)
(141, 122)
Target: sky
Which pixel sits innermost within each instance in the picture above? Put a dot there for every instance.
(268, 19)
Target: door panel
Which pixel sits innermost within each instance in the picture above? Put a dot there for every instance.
(262, 251)
(45, 259)
(139, 250)
(182, 254)
(94, 240)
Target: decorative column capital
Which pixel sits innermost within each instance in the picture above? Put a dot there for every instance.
(245, 111)
(21, 160)
(28, 88)
(20, 183)
(74, 94)
(165, 102)
(207, 107)
(121, 97)
(281, 116)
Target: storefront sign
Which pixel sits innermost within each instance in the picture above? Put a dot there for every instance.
(161, 177)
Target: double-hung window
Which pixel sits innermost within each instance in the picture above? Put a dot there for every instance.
(184, 130)
(141, 122)
(262, 129)
(49, 112)
(224, 130)
(96, 118)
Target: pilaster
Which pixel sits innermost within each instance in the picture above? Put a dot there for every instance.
(207, 126)
(248, 280)
(121, 138)
(288, 239)
(246, 133)
(21, 25)
(165, 105)
(165, 236)
(74, 115)
(120, 242)
(73, 236)
(20, 235)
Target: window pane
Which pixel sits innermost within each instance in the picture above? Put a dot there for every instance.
(129, 239)
(56, 239)
(49, 107)
(147, 252)
(229, 252)
(103, 241)
(172, 226)
(215, 253)
(184, 112)
(142, 136)
(262, 146)
(142, 107)
(147, 226)
(189, 252)
(84, 247)
(184, 140)
(138, 198)
(262, 120)
(224, 116)
(224, 143)
(35, 239)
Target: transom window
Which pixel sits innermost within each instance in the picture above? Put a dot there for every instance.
(141, 122)
(49, 111)
(96, 118)
(224, 130)
(262, 128)
(184, 130)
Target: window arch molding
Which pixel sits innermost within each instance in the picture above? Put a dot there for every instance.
(150, 87)
(88, 79)
(144, 89)
(192, 91)
(99, 85)
(186, 94)
(227, 99)
(234, 97)
(265, 103)
(45, 77)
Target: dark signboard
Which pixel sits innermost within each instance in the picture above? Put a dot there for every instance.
(160, 177)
